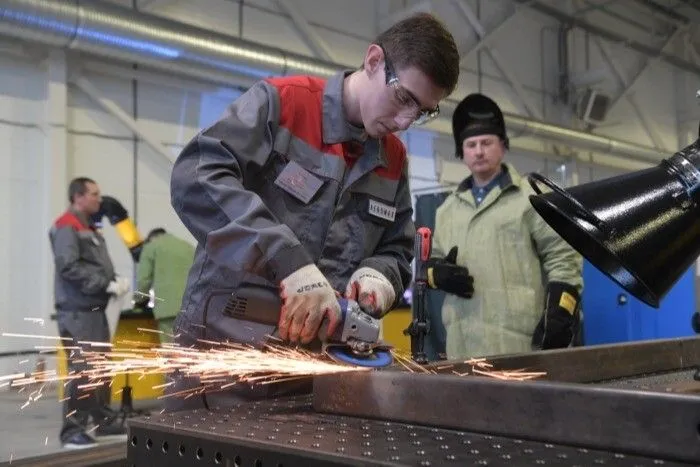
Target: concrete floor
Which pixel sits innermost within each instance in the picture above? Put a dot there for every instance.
(33, 430)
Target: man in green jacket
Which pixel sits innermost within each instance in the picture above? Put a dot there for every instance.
(513, 285)
(163, 266)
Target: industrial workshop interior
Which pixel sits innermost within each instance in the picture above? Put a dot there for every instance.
(276, 233)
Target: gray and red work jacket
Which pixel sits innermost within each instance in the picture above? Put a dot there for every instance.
(281, 181)
(83, 268)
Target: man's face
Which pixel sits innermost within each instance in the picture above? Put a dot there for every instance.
(483, 154)
(89, 202)
(396, 98)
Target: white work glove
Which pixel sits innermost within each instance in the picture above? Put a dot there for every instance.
(119, 286)
(307, 298)
(372, 290)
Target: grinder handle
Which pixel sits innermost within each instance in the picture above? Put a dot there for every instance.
(338, 333)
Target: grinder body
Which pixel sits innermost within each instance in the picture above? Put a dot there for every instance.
(254, 307)
(356, 339)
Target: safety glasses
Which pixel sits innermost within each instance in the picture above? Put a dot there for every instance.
(405, 99)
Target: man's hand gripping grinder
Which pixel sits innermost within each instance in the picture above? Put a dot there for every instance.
(355, 340)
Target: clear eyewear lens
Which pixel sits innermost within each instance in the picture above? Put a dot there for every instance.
(425, 117)
(413, 110)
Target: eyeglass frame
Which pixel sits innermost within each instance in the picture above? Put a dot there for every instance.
(423, 116)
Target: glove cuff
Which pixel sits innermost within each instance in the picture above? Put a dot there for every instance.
(561, 295)
(366, 271)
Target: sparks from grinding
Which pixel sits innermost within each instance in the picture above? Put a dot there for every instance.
(218, 367)
(479, 366)
(39, 321)
(136, 292)
(35, 336)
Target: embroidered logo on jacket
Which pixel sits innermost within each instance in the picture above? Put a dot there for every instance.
(298, 182)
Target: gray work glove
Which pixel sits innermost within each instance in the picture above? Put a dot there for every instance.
(307, 298)
(119, 286)
(372, 290)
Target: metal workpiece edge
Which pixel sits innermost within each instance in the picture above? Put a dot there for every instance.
(654, 424)
(594, 363)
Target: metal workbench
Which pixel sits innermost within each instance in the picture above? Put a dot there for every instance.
(628, 405)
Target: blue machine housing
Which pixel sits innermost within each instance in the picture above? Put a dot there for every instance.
(613, 315)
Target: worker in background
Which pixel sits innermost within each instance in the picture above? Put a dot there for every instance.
(163, 266)
(512, 283)
(84, 282)
(303, 189)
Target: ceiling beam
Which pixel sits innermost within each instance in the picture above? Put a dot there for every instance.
(466, 50)
(645, 66)
(150, 5)
(471, 17)
(309, 35)
(624, 86)
(649, 51)
(393, 18)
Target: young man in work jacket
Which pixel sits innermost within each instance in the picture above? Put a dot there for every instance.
(524, 281)
(302, 189)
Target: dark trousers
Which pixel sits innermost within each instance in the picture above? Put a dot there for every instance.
(81, 403)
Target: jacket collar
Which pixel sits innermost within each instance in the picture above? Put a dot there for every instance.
(337, 129)
(82, 217)
(504, 179)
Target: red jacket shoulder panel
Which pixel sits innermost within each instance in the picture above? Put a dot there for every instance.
(68, 219)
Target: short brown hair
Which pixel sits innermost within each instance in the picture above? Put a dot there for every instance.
(422, 41)
(78, 186)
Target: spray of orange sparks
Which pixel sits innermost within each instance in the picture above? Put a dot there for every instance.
(476, 366)
(218, 367)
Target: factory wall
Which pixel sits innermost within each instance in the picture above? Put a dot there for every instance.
(52, 131)
(35, 175)
(23, 289)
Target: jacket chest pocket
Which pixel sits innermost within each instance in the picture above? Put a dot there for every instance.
(362, 230)
(515, 253)
(298, 197)
(90, 243)
(510, 233)
(375, 208)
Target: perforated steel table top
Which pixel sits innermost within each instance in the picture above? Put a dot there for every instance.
(287, 432)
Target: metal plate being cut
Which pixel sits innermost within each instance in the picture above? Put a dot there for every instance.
(287, 433)
(596, 416)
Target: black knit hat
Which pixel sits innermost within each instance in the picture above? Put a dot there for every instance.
(477, 115)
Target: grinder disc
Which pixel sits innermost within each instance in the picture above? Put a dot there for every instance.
(375, 359)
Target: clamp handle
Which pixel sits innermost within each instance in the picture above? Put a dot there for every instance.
(422, 248)
(420, 325)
